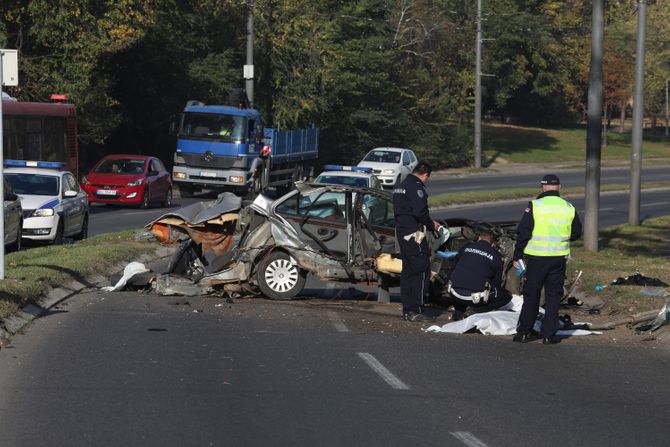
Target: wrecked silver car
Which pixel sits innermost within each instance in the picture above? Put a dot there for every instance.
(335, 232)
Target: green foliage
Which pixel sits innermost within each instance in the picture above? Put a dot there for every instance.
(367, 72)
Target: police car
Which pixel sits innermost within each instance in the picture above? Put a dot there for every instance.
(54, 206)
(354, 176)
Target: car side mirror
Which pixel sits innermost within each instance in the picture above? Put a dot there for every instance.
(70, 193)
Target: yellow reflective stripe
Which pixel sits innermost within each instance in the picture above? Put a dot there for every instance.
(550, 238)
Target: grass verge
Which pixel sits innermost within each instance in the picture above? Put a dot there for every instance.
(462, 198)
(518, 144)
(624, 250)
(29, 274)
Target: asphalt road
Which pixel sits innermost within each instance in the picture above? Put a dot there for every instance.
(131, 369)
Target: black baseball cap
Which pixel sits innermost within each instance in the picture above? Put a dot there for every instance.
(550, 179)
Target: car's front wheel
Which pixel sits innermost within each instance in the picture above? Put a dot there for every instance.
(146, 199)
(279, 278)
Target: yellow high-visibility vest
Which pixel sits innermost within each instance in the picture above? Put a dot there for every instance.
(553, 225)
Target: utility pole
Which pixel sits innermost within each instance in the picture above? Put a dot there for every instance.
(593, 128)
(667, 112)
(249, 67)
(478, 89)
(638, 116)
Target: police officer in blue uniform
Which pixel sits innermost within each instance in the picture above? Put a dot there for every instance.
(543, 239)
(475, 284)
(412, 221)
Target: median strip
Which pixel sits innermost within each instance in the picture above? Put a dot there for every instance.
(384, 373)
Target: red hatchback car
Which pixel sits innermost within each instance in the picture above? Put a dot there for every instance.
(129, 179)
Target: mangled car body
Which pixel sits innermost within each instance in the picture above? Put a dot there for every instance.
(336, 233)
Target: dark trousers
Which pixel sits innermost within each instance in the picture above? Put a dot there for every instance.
(415, 273)
(548, 272)
(497, 299)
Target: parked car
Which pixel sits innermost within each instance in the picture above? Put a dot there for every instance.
(391, 164)
(54, 206)
(13, 218)
(349, 176)
(137, 180)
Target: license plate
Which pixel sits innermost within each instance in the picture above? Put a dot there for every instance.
(107, 192)
(207, 174)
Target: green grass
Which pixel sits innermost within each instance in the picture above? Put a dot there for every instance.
(624, 250)
(30, 273)
(461, 198)
(537, 145)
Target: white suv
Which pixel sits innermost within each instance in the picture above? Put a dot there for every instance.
(390, 164)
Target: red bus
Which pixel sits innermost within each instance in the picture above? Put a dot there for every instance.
(41, 131)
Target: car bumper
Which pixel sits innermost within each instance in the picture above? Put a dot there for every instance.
(40, 228)
(387, 180)
(128, 195)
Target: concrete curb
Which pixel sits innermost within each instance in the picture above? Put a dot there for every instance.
(30, 312)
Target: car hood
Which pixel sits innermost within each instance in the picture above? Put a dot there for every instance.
(378, 165)
(32, 202)
(112, 179)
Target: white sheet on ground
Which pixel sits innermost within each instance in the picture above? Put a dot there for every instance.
(499, 322)
(131, 270)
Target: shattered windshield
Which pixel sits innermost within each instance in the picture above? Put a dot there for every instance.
(212, 126)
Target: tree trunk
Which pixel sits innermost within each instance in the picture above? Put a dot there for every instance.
(623, 116)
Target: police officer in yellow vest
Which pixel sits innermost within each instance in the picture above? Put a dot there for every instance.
(543, 240)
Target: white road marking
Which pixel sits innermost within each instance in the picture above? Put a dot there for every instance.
(467, 438)
(382, 371)
(337, 322)
(654, 204)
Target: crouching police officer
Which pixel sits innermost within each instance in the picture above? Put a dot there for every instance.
(410, 204)
(475, 284)
(543, 238)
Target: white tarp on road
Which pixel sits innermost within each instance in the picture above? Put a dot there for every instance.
(499, 322)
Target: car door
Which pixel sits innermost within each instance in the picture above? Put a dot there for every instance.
(73, 203)
(154, 180)
(413, 160)
(320, 219)
(405, 167)
(12, 213)
(377, 229)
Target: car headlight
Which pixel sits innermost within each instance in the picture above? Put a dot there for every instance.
(388, 171)
(137, 182)
(84, 181)
(43, 212)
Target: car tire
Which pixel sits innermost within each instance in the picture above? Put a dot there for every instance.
(167, 203)
(278, 277)
(58, 239)
(83, 234)
(146, 200)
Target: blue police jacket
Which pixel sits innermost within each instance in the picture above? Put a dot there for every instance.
(410, 206)
(477, 263)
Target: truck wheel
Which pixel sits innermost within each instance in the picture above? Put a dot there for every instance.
(279, 278)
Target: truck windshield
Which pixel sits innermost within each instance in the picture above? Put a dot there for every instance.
(212, 126)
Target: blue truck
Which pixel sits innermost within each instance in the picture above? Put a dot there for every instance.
(226, 148)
